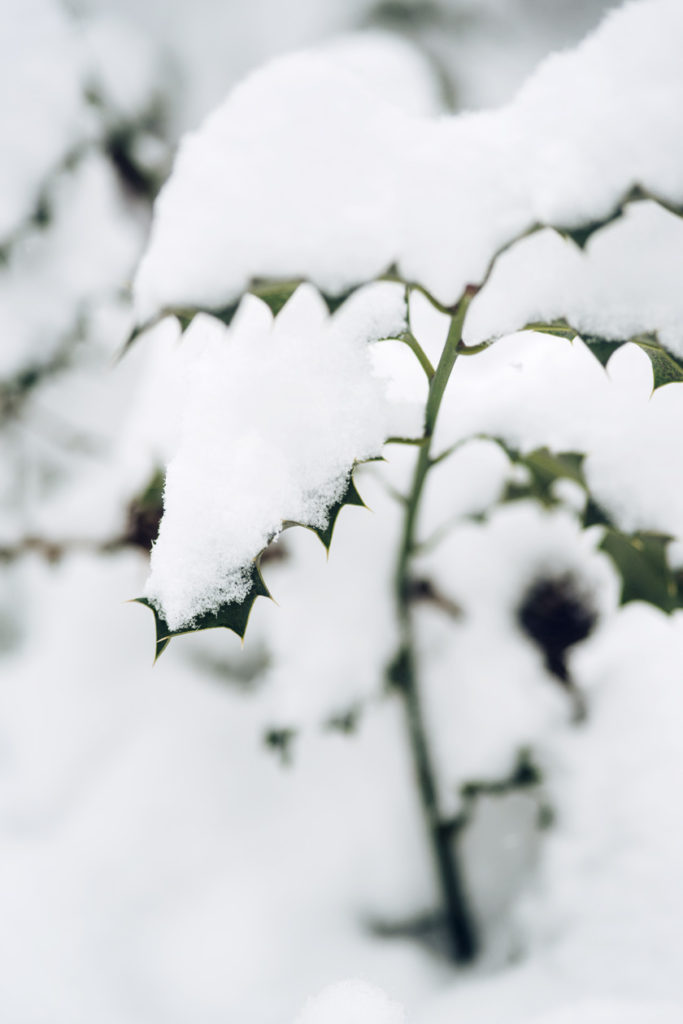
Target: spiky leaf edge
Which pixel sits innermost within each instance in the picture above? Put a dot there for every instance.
(275, 291)
(666, 369)
(234, 615)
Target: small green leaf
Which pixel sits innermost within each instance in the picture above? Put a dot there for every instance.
(639, 558)
(233, 615)
(281, 742)
(641, 561)
(545, 467)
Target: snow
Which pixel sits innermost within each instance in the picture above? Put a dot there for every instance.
(613, 1012)
(157, 863)
(141, 818)
(342, 185)
(600, 922)
(533, 391)
(277, 412)
(284, 223)
(485, 568)
(325, 598)
(624, 284)
(41, 106)
(351, 1002)
(394, 68)
(84, 257)
(121, 67)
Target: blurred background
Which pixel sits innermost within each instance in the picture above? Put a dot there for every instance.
(216, 837)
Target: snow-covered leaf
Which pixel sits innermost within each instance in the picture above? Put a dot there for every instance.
(349, 497)
(251, 197)
(232, 615)
(278, 411)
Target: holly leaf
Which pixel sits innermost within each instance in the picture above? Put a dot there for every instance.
(232, 615)
(274, 293)
(545, 467)
(666, 368)
(557, 328)
(641, 561)
(325, 533)
(581, 233)
(639, 558)
(349, 497)
(277, 293)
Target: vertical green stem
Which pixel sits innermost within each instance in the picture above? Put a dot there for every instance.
(461, 931)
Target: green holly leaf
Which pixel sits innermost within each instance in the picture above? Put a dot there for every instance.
(545, 467)
(233, 615)
(666, 368)
(641, 561)
(325, 533)
(639, 558)
(349, 497)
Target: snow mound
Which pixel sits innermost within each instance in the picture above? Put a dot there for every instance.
(351, 1002)
(306, 172)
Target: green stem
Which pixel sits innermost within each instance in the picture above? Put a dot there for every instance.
(413, 344)
(405, 675)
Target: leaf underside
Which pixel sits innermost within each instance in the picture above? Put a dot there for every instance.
(666, 368)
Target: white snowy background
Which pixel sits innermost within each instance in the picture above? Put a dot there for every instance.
(159, 863)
